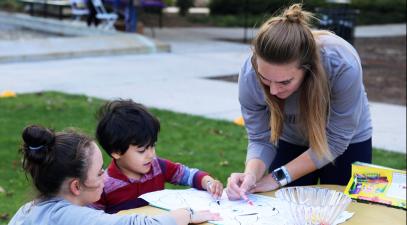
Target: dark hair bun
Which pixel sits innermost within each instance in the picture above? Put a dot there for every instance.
(37, 143)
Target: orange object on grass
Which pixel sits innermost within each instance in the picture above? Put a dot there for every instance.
(7, 94)
(239, 121)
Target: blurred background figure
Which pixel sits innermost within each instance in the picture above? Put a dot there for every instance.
(131, 14)
(91, 19)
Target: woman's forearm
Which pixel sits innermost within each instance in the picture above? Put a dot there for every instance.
(301, 166)
(255, 167)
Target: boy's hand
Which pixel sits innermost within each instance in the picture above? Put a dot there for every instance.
(214, 187)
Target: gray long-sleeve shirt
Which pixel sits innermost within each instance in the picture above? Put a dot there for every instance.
(58, 211)
(349, 117)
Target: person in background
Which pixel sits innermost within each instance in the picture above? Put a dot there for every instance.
(91, 19)
(66, 169)
(131, 15)
(304, 106)
(128, 133)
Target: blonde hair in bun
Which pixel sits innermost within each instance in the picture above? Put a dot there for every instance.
(295, 14)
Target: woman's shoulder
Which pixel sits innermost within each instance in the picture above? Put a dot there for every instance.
(35, 210)
(336, 48)
(248, 83)
(247, 72)
(53, 205)
(337, 55)
(21, 214)
(331, 39)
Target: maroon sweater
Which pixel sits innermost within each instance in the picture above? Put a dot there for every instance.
(121, 192)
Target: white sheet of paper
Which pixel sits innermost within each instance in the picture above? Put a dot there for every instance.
(265, 211)
(397, 187)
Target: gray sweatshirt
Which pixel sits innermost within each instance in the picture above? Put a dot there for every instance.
(349, 117)
(58, 211)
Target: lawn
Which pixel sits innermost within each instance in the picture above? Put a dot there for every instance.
(212, 145)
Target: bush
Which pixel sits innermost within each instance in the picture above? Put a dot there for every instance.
(371, 11)
(10, 5)
(380, 11)
(380, 5)
(169, 2)
(184, 5)
(256, 6)
(231, 12)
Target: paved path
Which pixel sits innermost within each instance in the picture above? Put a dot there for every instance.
(174, 81)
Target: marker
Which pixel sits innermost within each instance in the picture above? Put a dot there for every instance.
(209, 187)
(250, 202)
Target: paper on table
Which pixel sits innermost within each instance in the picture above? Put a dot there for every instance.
(345, 215)
(266, 210)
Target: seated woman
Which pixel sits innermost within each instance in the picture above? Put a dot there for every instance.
(66, 169)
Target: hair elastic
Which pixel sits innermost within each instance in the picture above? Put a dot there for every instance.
(35, 148)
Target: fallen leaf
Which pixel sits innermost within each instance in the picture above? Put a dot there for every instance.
(224, 163)
(4, 216)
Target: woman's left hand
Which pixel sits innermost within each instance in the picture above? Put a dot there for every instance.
(266, 183)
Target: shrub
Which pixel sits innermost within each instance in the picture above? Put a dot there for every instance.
(10, 5)
(169, 2)
(371, 11)
(256, 6)
(380, 11)
(184, 5)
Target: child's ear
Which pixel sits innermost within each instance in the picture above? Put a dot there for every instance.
(74, 187)
(116, 155)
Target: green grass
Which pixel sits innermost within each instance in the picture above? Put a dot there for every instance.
(212, 145)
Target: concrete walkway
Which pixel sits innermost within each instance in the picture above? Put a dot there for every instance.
(176, 81)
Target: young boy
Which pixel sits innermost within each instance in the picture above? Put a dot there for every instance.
(128, 133)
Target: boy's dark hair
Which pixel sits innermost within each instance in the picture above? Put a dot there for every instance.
(123, 123)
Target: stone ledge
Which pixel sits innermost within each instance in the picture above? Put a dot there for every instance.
(80, 41)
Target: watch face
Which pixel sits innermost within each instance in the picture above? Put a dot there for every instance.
(279, 174)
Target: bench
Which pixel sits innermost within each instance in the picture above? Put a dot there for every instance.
(45, 6)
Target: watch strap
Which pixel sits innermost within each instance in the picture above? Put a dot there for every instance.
(281, 175)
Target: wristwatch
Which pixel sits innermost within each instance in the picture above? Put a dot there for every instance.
(281, 175)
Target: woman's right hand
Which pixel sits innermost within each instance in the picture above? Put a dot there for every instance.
(239, 184)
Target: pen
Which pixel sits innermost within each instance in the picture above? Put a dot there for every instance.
(209, 187)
